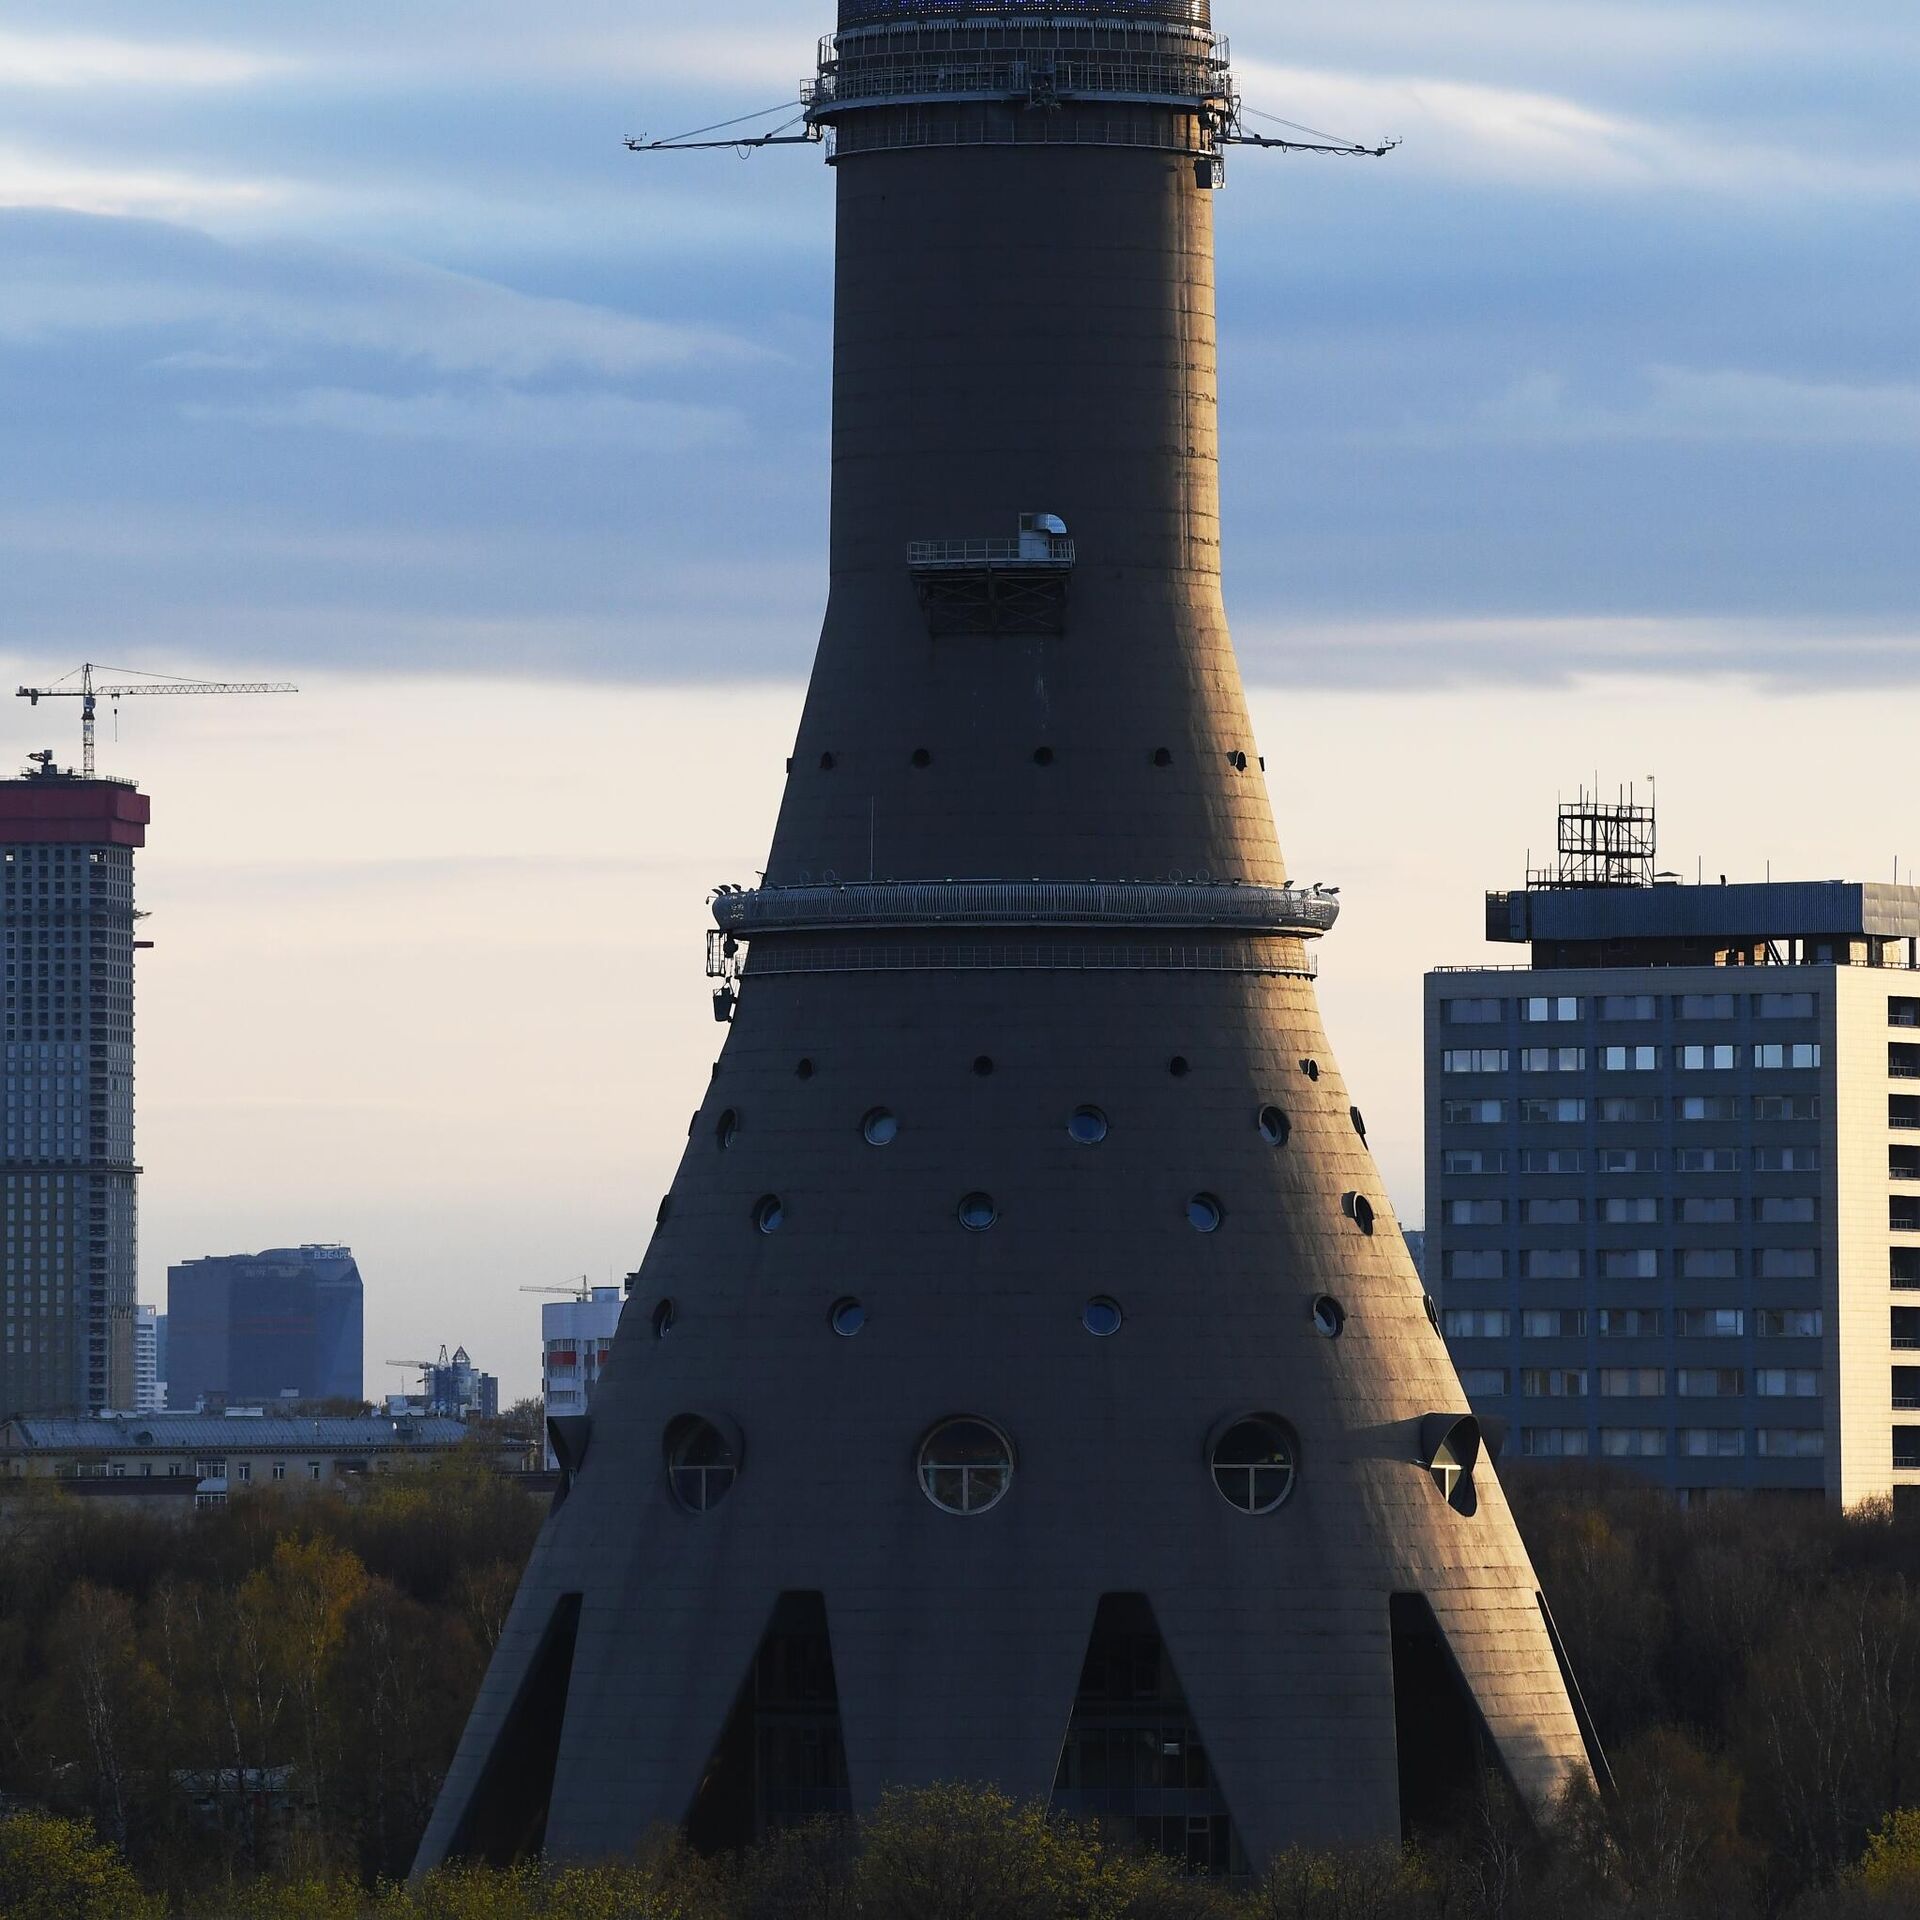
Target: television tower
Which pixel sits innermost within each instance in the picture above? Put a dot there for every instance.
(1027, 1380)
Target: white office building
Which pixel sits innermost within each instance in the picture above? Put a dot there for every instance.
(576, 1336)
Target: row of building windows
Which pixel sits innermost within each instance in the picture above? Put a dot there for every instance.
(1633, 1323)
(1551, 1008)
(1765, 1054)
(1633, 1263)
(1636, 1108)
(1642, 1383)
(1465, 1160)
(1632, 1209)
(1694, 1443)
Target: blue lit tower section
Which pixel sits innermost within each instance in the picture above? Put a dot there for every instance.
(1027, 1381)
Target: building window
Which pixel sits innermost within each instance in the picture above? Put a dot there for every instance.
(1787, 1383)
(966, 1466)
(1786, 1106)
(1633, 1443)
(880, 1128)
(1556, 1211)
(847, 1318)
(1472, 1013)
(1554, 1443)
(1618, 1107)
(1476, 1264)
(1552, 1112)
(1632, 1383)
(1630, 1263)
(1631, 1059)
(1788, 1263)
(1709, 1323)
(1253, 1463)
(1551, 1263)
(1629, 1006)
(1470, 1160)
(1708, 1210)
(1791, 1443)
(1629, 1323)
(1553, 1059)
(977, 1212)
(1707, 1059)
(1706, 1160)
(1801, 1053)
(702, 1463)
(1553, 1383)
(1627, 1160)
(313, 1469)
(1622, 1210)
(1709, 1263)
(1484, 1383)
(1788, 1323)
(1087, 1126)
(1476, 1213)
(1204, 1213)
(1550, 1158)
(1476, 1323)
(1710, 1383)
(1474, 1060)
(1553, 1008)
(1473, 1113)
(1553, 1323)
(1706, 1006)
(1102, 1317)
(769, 1214)
(1783, 1006)
(1786, 1159)
(279, 1469)
(245, 1472)
(1707, 1106)
(1713, 1443)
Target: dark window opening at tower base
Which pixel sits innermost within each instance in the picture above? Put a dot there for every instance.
(1134, 1760)
(506, 1816)
(1448, 1765)
(781, 1760)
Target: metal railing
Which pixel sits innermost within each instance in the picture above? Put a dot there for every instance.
(998, 73)
(773, 963)
(857, 13)
(1035, 903)
(927, 555)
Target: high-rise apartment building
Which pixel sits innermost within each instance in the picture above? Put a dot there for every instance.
(576, 1336)
(67, 1177)
(148, 1393)
(1673, 1211)
(284, 1324)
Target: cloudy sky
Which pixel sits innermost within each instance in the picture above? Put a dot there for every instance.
(345, 343)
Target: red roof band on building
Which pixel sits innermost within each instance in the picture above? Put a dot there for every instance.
(57, 810)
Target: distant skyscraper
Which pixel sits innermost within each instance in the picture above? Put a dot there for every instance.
(458, 1388)
(1669, 1192)
(284, 1324)
(575, 1338)
(147, 1394)
(67, 1176)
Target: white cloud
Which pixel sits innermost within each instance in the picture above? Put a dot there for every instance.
(1551, 141)
(1722, 404)
(29, 179)
(250, 301)
(496, 416)
(66, 61)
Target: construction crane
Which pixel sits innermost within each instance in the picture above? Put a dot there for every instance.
(581, 1289)
(87, 691)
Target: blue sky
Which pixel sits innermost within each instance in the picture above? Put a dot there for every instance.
(346, 343)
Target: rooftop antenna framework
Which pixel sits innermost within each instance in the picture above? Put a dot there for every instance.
(1603, 843)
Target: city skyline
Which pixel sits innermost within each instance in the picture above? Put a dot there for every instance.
(1520, 470)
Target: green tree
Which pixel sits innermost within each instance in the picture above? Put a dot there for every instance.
(52, 1869)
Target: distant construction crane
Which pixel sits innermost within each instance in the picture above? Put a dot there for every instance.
(87, 691)
(581, 1289)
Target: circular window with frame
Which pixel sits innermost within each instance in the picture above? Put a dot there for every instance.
(1255, 1463)
(966, 1465)
(702, 1463)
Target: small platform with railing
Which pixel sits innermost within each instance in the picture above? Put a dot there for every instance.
(1016, 584)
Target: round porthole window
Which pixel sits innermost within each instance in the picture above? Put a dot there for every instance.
(664, 1315)
(983, 1065)
(848, 1318)
(702, 1463)
(769, 1214)
(1329, 1316)
(1359, 1209)
(1102, 1317)
(725, 1129)
(1311, 1068)
(1204, 1213)
(966, 1466)
(921, 757)
(1253, 1463)
(1088, 1125)
(803, 1070)
(1274, 1126)
(880, 1128)
(1162, 757)
(978, 1213)
(1177, 1066)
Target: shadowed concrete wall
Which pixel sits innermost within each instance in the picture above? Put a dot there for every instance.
(1024, 330)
